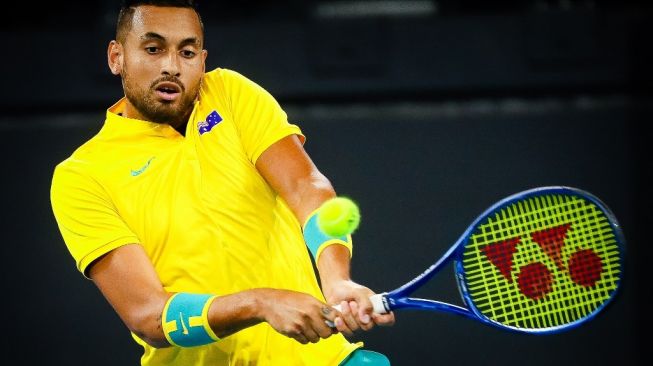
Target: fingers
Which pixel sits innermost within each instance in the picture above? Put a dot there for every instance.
(311, 328)
(356, 308)
(384, 319)
(362, 314)
(350, 319)
(346, 323)
(300, 337)
(304, 318)
(301, 317)
(314, 326)
(320, 327)
(311, 335)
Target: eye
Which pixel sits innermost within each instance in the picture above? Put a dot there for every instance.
(188, 53)
(152, 50)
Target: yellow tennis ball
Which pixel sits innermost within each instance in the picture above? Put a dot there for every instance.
(338, 216)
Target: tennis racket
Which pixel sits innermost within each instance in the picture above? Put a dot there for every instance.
(539, 261)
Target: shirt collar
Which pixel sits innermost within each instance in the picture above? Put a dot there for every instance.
(117, 125)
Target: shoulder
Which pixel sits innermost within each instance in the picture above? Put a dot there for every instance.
(221, 74)
(83, 153)
(71, 172)
(229, 91)
(79, 165)
(229, 80)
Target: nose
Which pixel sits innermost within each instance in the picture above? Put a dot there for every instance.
(171, 65)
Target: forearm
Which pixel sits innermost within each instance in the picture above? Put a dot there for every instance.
(294, 314)
(225, 315)
(232, 313)
(334, 265)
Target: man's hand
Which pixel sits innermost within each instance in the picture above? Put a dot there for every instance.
(297, 315)
(355, 307)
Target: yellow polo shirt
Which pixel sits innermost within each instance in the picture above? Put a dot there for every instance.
(206, 218)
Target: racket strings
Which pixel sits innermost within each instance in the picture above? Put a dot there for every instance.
(561, 298)
(542, 262)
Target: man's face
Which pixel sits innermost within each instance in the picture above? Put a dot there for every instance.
(162, 64)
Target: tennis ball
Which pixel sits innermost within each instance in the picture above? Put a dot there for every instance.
(338, 216)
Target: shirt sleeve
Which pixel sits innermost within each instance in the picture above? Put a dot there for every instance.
(259, 118)
(88, 221)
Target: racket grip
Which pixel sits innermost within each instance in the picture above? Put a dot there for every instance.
(378, 307)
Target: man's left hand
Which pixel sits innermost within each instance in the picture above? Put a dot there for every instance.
(355, 307)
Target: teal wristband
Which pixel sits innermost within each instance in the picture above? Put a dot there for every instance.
(185, 320)
(316, 240)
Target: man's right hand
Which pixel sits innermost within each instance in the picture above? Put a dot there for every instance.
(297, 315)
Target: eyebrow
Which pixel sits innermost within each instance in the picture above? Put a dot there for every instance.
(155, 36)
(151, 35)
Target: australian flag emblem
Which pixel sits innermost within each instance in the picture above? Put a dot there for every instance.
(211, 121)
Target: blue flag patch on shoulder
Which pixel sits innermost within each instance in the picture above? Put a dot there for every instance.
(211, 121)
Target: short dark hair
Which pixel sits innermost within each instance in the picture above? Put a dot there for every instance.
(129, 6)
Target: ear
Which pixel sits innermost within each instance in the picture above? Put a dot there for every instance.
(115, 57)
(205, 53)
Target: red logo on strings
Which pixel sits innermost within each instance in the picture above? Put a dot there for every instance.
(535, 280)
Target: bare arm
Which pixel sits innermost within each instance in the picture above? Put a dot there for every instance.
(127, 279)
(292, 174)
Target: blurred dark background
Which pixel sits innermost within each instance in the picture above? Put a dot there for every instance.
(426, 112)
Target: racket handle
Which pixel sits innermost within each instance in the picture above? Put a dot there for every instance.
(378, 306)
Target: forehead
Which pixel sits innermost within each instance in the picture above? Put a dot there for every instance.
(170, 22)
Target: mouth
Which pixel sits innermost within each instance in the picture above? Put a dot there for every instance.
(167, 91)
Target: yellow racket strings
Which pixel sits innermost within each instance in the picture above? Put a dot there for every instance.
(542, 262)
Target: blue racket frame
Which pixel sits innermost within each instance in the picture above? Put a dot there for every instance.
(399, 298)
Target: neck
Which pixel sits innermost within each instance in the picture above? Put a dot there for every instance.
(130, 111)
(181, 128)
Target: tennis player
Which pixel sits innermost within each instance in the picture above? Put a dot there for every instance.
(192, 210)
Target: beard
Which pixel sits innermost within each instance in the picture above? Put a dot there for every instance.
(174, 113)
